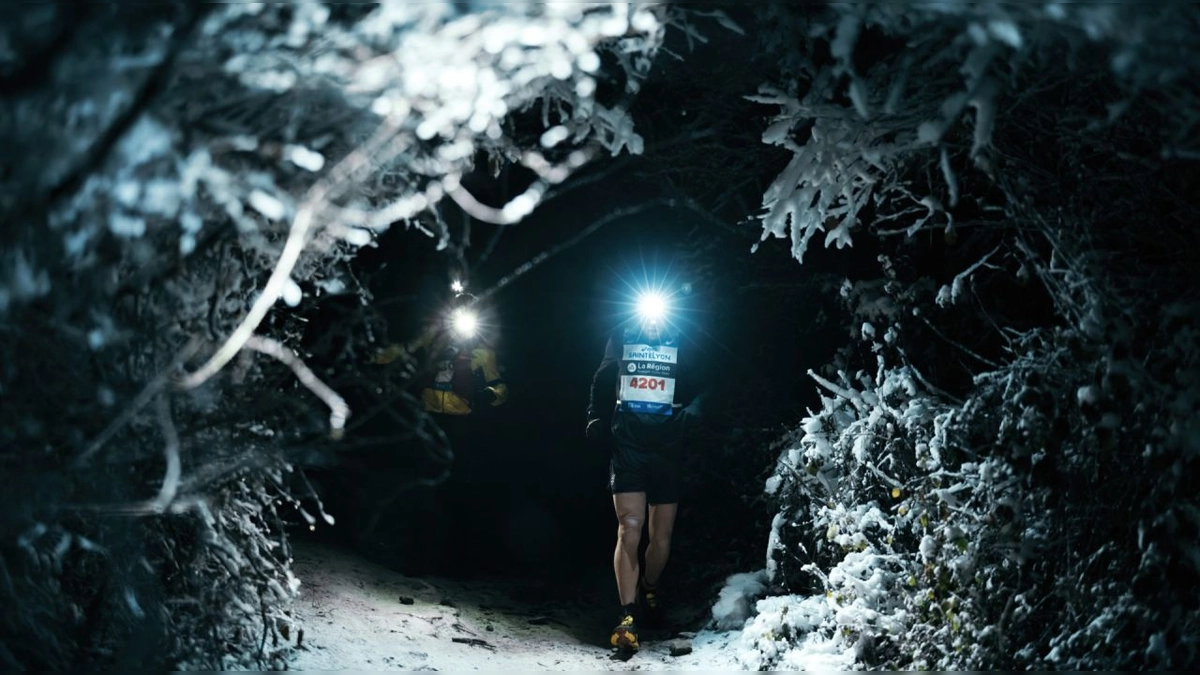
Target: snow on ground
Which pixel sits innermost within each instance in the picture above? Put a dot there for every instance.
(359, 615)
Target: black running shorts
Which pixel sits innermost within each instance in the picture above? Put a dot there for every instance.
(653, 471)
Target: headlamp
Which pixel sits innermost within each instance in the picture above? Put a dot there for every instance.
(652, 307)
(464, 322)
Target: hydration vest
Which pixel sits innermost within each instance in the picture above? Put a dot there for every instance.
(647, 373)
(452, 372)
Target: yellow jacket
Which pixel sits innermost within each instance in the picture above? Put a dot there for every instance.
(452, 376)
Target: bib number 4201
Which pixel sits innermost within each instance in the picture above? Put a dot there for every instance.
(647, 383)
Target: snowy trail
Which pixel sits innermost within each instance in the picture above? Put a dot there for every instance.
(359, 615)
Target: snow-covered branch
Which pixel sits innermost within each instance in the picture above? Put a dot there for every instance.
(338, 409)
(196, 165)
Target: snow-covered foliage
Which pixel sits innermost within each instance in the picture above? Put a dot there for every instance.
(998, 473)
(870, 90)
(170, 173)
(737, 598)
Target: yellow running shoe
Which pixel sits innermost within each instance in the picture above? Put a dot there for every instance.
(624, 636)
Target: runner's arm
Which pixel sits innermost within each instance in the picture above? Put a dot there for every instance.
(603, 396)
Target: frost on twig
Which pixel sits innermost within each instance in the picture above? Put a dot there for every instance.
(951, 293)
(310, 209)
(338, 409)
(170, 481)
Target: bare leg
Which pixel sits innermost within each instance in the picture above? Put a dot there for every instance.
(630, 508)
(658, 550)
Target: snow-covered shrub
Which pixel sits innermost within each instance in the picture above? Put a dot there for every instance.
(785, 635)
(736, 599)
(1017, 525)
(995, 477)
(873, 483)
(172, 173)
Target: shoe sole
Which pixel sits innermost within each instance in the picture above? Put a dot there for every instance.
(623, 639)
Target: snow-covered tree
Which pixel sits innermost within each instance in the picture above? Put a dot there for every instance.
(996, 476)
(178, 178)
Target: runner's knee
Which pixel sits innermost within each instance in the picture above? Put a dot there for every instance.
(631, 526)
(660, 537)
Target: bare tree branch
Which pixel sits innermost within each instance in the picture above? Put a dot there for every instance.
(313, 205)
(170, 484)
(338, 409)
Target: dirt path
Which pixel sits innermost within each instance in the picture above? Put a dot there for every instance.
(359, 615)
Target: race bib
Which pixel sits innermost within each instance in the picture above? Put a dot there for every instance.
(648, 376)
(444, 369)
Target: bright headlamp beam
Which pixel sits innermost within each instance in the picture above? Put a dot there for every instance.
(652, 306)
(464, 322)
